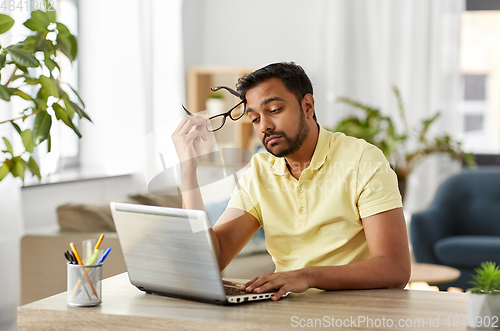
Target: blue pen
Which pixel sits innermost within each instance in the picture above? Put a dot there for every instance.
(101, 260)
(104, 256)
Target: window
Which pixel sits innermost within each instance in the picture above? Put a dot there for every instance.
(65, 144)
(480, 66)
(474, 103)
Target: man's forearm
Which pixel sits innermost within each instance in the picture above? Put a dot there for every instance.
(192, 199)
(191, 193)
(377, 272)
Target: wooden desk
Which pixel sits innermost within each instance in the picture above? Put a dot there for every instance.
(126, 308)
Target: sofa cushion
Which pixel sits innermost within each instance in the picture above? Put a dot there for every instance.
(467, 251)
(97, 218)
(150, 199)
(85, 218)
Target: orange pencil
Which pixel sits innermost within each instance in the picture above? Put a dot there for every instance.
(99, 241)
(73, 248)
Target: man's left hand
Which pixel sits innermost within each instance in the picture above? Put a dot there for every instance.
(290, 281)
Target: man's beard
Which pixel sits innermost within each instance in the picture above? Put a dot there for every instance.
(295, 143)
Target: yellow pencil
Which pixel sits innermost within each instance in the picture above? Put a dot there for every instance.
(99, 241)
(73, 248)
(96, 251)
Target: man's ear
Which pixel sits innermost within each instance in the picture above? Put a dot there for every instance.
(308, 105)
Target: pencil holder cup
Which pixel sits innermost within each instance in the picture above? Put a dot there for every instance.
(84, 285)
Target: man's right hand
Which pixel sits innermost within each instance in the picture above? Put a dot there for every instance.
(186, 140)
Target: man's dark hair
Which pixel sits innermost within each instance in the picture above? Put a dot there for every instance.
(292, 75)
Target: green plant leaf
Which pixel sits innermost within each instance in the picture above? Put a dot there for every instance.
(66, 48)
(4, 171)
(16, 77)
(77, 95)
(6, 22)
(41, 17)
(49, 143)
(40, 103)
(79, 110)
(51, 64)
(31, 81)
(69, 107)
(41, 100)
(8, 145)
(27, 138)
(23, 69)
(41, 129)
(18, 168)
(426, 123)
(3, 57)
(401, 107)
(49, 86)
(34, 168)
(67, 42)
(18, 129)
(35, 25)
(487, 278)
(63, 30)
(23, 95)
(74, 47)
(4, 93)
(22, 57)
(62, 114)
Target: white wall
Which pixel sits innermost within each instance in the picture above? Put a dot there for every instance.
(111, 83)
(256, 33)
(10, 230)
(40, 202)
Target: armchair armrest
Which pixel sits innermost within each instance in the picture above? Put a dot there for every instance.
(426, 228)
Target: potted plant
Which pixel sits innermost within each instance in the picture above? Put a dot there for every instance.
(34, 74)
(380, 131)
(483, 306)
(215, 103)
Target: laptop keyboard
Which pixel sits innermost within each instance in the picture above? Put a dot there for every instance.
(230, 290)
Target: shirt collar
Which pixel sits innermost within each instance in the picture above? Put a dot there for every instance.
(318, 158)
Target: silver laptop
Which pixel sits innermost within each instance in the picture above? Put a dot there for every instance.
(169, 251)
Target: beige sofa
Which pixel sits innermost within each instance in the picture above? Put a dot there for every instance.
(43, 265)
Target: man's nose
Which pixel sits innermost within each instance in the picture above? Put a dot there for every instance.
(266, 124)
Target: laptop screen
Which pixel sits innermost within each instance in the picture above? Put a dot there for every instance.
(168, 250)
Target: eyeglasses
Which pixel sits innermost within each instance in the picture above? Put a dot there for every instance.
(235, 113)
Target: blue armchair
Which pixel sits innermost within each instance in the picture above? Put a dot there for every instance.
(461, 227)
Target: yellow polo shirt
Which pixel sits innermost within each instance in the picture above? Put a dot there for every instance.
(316, 220)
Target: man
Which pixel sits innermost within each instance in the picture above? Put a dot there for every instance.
(329, 204)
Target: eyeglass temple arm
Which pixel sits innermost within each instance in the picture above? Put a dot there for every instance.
(187, 111)
(233, 92)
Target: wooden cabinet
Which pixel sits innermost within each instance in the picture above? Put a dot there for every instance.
(238, 133)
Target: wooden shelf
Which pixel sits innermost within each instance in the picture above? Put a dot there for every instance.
(238, 134)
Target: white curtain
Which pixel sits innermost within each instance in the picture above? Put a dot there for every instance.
(11, 220)
(163, 86)
(162, 59)
(371, 45)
